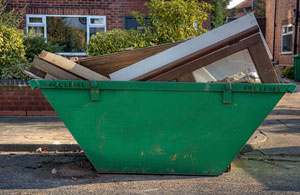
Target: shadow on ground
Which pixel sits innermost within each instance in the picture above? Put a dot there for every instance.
(28, 119)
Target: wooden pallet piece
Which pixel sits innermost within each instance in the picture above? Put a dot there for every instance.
(71, 66)
(53, 70)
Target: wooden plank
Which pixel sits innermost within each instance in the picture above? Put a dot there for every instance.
(189, 50)
(71, 66)
(53, 70)
(263, 64)
(109, 63)
(189, 67)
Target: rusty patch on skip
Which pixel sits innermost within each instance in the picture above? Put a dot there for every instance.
(101, 146)
(172, 158)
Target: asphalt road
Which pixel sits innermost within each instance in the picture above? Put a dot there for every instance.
(30, 173)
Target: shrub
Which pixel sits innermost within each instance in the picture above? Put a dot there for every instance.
(13, 18)
(288, 73)
(12, 53)
(116, 41)
(35, 44)
(174, 20)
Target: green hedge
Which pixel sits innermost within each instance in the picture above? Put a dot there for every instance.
(12, 53)
(116, 41)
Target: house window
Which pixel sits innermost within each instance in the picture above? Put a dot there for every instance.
(286, 39)
(72, 32)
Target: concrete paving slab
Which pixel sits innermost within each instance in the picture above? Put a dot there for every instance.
(30, 133)
(282, 127)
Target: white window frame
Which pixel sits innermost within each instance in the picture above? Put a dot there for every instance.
(44, 24)
(284, 34)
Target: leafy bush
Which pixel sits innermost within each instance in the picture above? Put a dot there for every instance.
(13, 18)
(219, 12)
(12, 53)
(174, 20)
(288, 73)
(116, 41)
(35, 44)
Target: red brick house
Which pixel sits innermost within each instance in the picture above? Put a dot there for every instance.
(280, 30)
(245, 7)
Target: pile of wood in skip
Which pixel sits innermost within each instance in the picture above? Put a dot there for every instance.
(234, 52)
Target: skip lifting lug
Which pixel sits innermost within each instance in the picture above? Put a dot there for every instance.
(94, 92)
(227, 92)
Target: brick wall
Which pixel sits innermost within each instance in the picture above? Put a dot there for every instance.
(23, 101)
(114, 10)
(284, 16)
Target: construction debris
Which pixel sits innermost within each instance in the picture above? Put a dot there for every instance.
(72, 67)
(234, 52)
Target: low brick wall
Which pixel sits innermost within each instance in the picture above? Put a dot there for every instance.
(21, 100)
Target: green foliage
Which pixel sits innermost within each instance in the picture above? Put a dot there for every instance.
(288, 73)
(116, 41)
(12, 53)
(11, 18)
(260, 8)
(219, 12)
(174, 20)
(35, 44)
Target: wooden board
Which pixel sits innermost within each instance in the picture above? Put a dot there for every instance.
(189, 50)
(53, 70)
(107, 64)
(71, 66)
(262, 63)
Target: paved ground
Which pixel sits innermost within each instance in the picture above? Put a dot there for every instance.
(272, 169)
(31, 173)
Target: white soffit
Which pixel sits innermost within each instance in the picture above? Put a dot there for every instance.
(184, 49)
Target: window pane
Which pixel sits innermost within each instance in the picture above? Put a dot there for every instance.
(36, 30)
(69, 32)
(290, 29)
(35, 20)
(287, 43)
(95, 30)
(284, 29)
(237, 67)
(97, 21)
